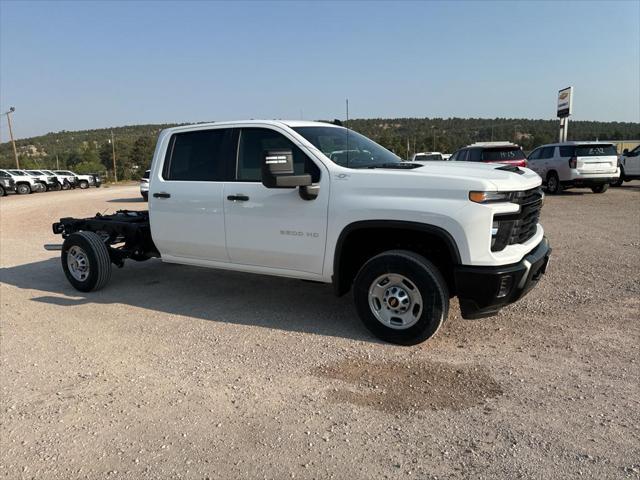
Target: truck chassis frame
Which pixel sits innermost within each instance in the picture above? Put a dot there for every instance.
(126, 233)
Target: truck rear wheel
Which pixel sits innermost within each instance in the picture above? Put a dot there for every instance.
(401, 297)
(84, 184)
(85, 261)
(600, 188)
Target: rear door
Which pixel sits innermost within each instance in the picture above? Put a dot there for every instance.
(274, 227)
(596, 158)
(186, 202)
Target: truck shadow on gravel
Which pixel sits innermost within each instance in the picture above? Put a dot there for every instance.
(207, 294)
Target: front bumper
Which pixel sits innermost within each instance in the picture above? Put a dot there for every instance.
(483, 291)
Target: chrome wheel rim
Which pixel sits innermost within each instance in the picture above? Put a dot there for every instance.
(78, 263)
(395, 301)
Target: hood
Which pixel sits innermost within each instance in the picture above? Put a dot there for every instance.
(444, 179)
(501, 176)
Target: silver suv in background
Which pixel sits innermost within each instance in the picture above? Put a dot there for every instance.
(576, 164)
(629, 166)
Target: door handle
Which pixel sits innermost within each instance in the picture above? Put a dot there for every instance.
(238, 198)
(162, 195)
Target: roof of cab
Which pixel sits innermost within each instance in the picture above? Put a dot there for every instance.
(288, 123)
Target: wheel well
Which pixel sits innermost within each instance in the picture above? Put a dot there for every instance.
(357, 245)
(551, 172)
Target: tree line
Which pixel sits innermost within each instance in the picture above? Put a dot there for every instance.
(91, 151)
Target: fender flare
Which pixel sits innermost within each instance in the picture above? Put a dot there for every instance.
(441, 233)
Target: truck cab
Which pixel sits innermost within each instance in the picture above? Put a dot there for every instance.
(319, 202)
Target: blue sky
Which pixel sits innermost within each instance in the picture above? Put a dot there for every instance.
(79, 65)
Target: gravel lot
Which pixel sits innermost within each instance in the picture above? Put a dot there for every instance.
(181, 372)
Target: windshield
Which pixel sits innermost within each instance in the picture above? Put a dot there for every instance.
(424, 157)
(36, 172)
(348, 148)
(18, 172)
(502, 154)
(48, 172)
(64, 172)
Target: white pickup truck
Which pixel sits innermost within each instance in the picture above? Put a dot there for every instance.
(265, 197)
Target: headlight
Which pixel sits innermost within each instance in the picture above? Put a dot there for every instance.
(490, 197)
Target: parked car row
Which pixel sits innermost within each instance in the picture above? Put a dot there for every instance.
(563, 165)
(24, 182)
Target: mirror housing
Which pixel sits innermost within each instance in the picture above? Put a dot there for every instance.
(278, 172)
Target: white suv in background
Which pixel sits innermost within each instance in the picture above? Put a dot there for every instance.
(428, 157)
(576, 164)
(629, 166)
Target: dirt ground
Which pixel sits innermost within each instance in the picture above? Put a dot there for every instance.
(188, 373)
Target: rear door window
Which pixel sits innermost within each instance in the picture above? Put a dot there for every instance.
(200, 156)
(547, 152)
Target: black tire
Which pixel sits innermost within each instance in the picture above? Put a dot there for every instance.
(56, 187)
(96, 258)
(2, 191)
(145, 195)
(600, 188)
(553, 184)
(620, 180)
(83, 184)
(421, 275)
(23, 189)
(65, 185)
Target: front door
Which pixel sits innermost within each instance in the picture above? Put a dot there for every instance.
(274, 227)
(186, 196)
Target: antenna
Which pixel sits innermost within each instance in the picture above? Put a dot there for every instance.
(347, 121)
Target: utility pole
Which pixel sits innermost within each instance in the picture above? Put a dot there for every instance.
(13, 142)
(434, 138)
(57, 163)
(113, 156)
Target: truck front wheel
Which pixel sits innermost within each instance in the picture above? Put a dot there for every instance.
(85, 261)
(401, 297)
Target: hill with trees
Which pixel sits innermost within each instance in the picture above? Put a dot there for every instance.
(91, 150)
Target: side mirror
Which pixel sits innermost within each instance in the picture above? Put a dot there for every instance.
(625, 151)
(278, 172)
